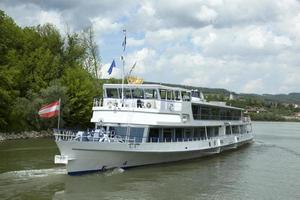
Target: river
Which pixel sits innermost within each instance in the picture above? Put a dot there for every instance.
(269, 168)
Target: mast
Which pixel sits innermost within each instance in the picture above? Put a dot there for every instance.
(123, 64)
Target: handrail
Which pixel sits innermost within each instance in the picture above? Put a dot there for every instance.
(98, 102)
(92, 136)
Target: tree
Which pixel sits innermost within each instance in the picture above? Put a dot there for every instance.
(80, 92)
(92, 62)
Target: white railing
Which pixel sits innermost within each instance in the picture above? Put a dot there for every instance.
(81, 136)
(98, 102)
(246, 119)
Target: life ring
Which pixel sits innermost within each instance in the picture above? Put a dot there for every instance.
(148, 105)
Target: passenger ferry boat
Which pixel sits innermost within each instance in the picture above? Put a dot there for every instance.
(141, 124)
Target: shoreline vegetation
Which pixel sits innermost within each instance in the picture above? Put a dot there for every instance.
(39, 65)
(25, 135)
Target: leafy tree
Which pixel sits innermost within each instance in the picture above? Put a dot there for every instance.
(80, 92)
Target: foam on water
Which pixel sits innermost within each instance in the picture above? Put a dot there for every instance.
(114, 171)
(30, 174)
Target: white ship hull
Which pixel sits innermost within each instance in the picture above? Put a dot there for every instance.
(85, 157)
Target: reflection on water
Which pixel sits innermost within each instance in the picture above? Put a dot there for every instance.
(266, 169)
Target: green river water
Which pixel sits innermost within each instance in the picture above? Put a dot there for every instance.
(269, 168)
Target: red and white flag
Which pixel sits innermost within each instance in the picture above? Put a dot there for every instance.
(50, 110)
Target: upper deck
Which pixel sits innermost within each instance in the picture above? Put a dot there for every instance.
(148, 92)
(177, 104)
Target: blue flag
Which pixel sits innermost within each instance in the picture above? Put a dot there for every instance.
(113, 64)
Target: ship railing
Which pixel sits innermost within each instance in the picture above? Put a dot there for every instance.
(246, 119)
(98, 102)
(90, 136)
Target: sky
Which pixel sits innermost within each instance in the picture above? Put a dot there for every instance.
(243, 46)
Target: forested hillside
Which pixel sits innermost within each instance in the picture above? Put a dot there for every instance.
(38, 65)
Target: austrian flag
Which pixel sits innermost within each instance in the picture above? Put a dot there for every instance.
(50, 110)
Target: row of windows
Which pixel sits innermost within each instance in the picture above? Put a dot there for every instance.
(182, 134)
(201, 112)
(175, 134)
(140, 93)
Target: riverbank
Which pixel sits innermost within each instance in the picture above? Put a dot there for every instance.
(25, 135)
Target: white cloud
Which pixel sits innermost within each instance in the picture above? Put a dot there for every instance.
(135, 42)
(245, 46)
(116, 72)
(257, 38)
(104, 25)
(253, 86)
(206, 14)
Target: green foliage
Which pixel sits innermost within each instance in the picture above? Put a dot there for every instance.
(266, 116)
(80, 91)
(39, 66)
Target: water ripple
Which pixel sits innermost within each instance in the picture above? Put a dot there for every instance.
(285, 149)
(30, 174)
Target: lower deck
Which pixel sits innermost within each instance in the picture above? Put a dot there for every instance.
(151, 134)
(82, 156)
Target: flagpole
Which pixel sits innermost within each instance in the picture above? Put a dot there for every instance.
(58, 121)
(123, 64)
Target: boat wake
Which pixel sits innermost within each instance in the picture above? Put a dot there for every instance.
(30, 174)
(285, 149)
(114, 171)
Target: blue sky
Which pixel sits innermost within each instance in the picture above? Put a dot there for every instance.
(244, 46)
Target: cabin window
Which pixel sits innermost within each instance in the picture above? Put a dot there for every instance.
(169, 95)
(178, 134)
(203, 132)
(136, 134)
(216, 131)
(138, 93)
(215, 113)
(112, 93)
(235, 129)
(195, 93)
(127, 93)
(222, 114)
(153, 135)
(120, 131)
(197, 133)
(228, 130)
(203, 112)
(211, 131)
(188, 133)
(243, 129)
(186, 96)
(150, 94)
(163, 94)
(167, 134)
(177, 95)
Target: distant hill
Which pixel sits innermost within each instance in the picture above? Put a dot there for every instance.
(282, 98)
